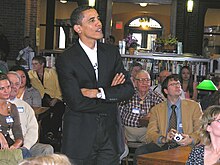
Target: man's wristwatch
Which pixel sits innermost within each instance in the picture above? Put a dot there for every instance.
(99, 94)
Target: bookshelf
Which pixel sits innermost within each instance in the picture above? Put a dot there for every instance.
(154, 63)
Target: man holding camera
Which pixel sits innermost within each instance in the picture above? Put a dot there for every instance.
(173, 122)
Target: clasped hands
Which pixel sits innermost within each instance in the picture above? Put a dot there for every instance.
(4, 143)
(187, 140)
(92, 93)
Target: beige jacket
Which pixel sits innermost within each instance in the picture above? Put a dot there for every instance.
(50, 83)
(191, 113)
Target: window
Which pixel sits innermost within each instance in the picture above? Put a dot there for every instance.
(62, 39)
(145, 30)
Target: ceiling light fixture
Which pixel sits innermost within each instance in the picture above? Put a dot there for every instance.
(190, 6)
(143, 4)
(63, 1)
(92, 3)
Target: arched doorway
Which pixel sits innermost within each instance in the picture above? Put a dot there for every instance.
(145, 29)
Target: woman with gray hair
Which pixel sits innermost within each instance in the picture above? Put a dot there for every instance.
(209, 151)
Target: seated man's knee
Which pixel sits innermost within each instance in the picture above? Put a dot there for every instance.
(40, 149)
(48, 149)
(141, 150)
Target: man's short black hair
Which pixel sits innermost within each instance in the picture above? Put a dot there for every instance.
(77, 16)
(164, 84)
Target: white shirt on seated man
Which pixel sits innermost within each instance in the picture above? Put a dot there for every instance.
(28, 120)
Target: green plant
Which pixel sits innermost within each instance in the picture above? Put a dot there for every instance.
(166, 41)
(170, 40)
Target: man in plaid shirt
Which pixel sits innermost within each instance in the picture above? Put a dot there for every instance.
(135, 112)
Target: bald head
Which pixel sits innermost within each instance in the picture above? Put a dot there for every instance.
(163, 75)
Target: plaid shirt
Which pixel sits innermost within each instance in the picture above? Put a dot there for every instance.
(127, 109)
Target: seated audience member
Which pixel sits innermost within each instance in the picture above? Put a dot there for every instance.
(29, 123)
(26, 92)
(162, 76)
(25, 54)
(212, 97)
(208, 151)
(45, 80)
(53, 159)
(188, 83)
(136, 67)
(138, 107)
(170, 117)
(110, 40)
(9, 119)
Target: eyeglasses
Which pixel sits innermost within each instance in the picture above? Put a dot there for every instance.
(142, 80)
(177, 84)
(218, 120)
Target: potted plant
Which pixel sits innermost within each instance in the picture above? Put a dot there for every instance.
(170, 43)
(131, 43)
(166, 44)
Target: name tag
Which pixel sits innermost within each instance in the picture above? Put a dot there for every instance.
(9, 120)
(20, 109)
(136, 110)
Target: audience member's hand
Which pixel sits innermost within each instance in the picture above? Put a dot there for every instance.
(118, 79)
(91, 93)
(12, 147)
(170, 135)
(3, 142)
(144, 120)
(53, 102)
(187, 140)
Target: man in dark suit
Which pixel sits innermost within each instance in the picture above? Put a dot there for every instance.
(93, 80)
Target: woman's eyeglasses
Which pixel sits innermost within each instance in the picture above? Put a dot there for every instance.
(218, 120)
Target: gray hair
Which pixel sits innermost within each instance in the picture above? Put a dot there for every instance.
(16, 74)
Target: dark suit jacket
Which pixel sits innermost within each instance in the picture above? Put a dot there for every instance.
(75, 71)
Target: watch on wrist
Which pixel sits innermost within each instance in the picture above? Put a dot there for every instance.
(99, 94)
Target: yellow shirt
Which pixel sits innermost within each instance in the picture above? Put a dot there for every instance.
(50, 83)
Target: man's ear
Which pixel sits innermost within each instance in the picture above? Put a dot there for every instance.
(77, 28)
(165, 91)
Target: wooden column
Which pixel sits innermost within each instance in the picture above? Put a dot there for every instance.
(49, 38)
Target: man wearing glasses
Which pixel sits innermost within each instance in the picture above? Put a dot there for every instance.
(135, 112)
(172, 123)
